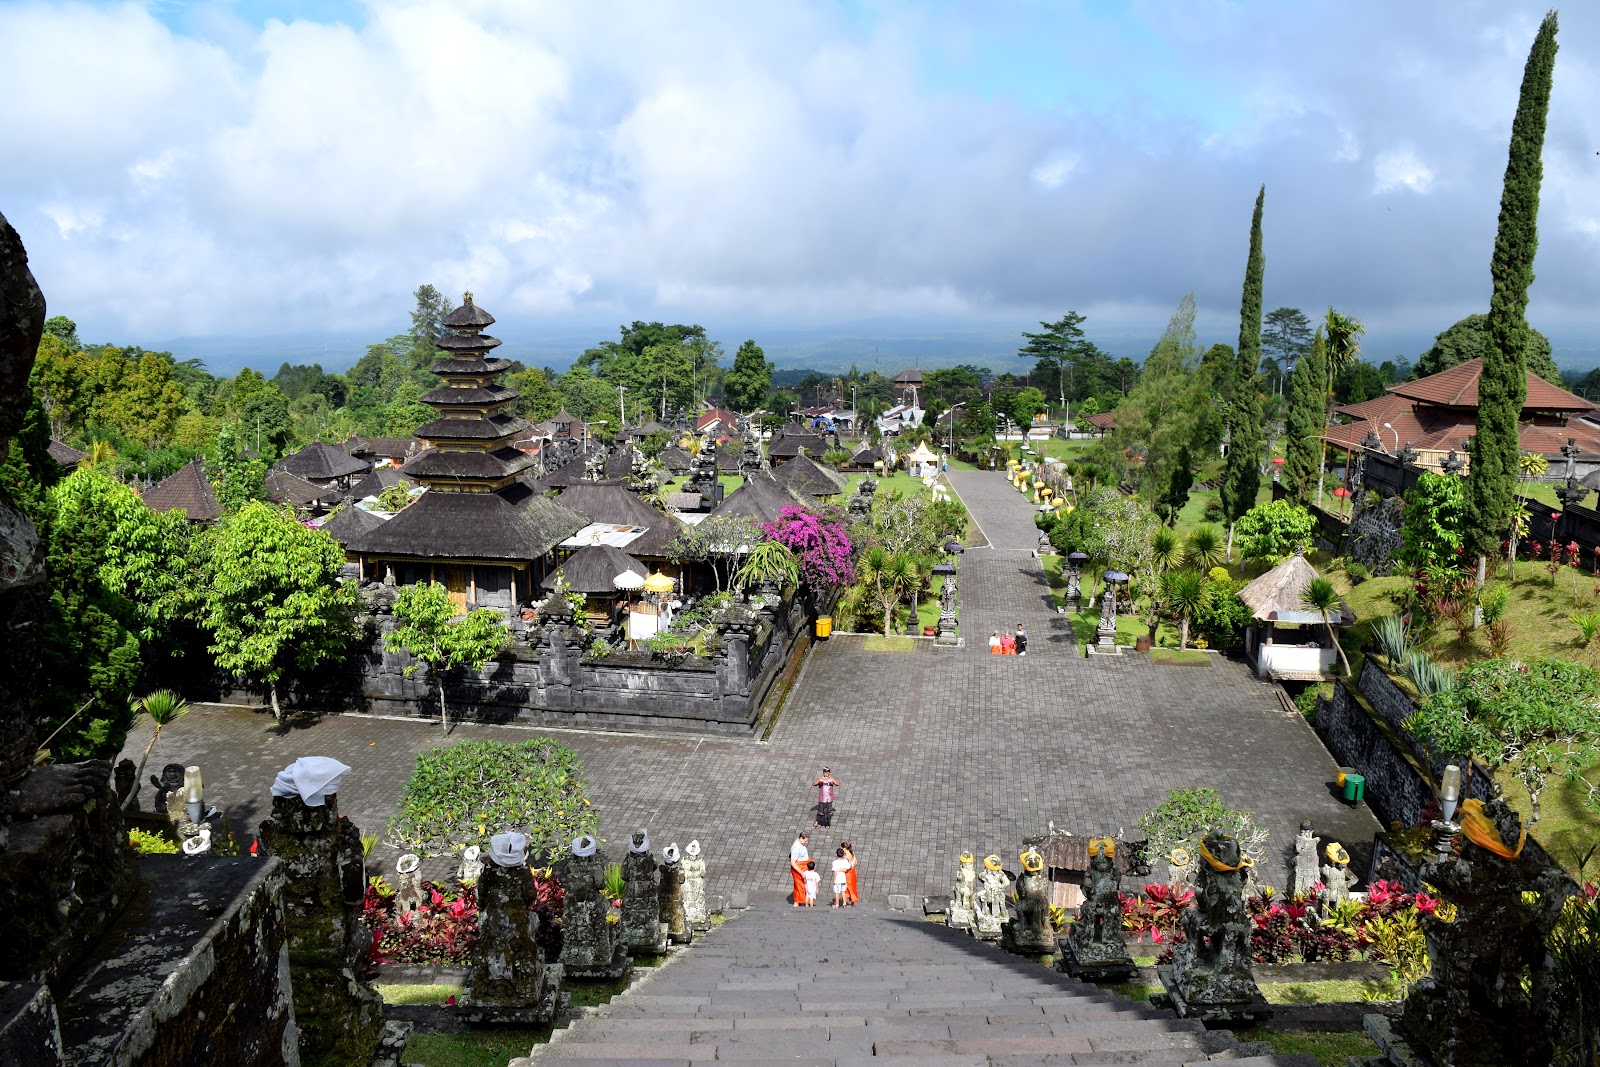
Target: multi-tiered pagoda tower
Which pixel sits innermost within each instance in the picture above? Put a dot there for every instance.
(479, 529)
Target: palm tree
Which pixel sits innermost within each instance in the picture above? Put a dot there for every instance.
(164, 707)
(1321, 597)
(889, 575)
(1165, 549)
(769, 562)
(101, 454)
(1205, 548)
(1341, 351)
(1184, 593)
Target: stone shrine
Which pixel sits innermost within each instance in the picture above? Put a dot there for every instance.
(591, 945)
(672, 914)
(1029, 932)
(1209, 977)
(509, 983)
(993, 889)
(695, 908)
(1306, 875)
(340, 1016)
(642, 930)
(963, 895)
(1094, 948)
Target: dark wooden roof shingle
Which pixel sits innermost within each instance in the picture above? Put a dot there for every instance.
(320, 462)
(593, 570)
(514, 524)
(186, 489)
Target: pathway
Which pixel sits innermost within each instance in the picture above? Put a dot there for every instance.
(840, 988)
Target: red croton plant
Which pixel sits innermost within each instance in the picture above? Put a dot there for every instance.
(445, 927)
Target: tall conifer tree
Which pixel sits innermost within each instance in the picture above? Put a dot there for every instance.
(1503, 388)
(1241, 473)
(1307, 405)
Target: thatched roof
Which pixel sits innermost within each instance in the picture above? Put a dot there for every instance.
(188, 490)
(375, 482)
(609, 502)
(592, 570)
(675, 459)
(804, 476)
(321, 462)
(514, 524)
(346, 524)
(1279, 595)
(282, 487)
(792, 439)
(65, 456)
(761, 497)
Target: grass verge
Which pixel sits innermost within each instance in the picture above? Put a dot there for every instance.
(404, 993)
(475, 1048)
(879, 643)
(1173, 655)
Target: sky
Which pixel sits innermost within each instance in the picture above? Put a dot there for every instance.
(905, 182)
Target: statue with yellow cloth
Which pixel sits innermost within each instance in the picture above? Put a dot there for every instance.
(1094, 949)
(963, 895)
(1029, 932)
(994, 887)
(1210, 975)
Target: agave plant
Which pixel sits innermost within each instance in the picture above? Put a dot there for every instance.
(1428, 676)
(1394, 639)
(1206, 549)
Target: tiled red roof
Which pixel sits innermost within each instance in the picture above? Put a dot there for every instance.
(1458, 388)
(715, 415)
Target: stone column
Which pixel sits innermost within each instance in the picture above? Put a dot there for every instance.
(642, 931)
(340, 1016)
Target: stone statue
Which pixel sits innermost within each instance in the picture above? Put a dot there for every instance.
(1337, 877)
(672, 915)
(1095, 949)
(993, 889)
(591, 947)
(642, 930)
(695, 909)
(1030, 932)
(126, 777)
(1492, 978)
(1180, 867)
(169, 791)
(340, 1016)
(471, 865)
(509, 981)
(1210, 973)
(1306, 875)
(408, 884)
(963, 895)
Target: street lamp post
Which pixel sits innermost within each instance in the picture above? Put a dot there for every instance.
(953, 407)
(1390, 427)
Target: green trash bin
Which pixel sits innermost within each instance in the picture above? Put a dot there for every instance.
(1355, 788)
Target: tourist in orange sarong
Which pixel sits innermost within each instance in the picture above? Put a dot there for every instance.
(850, 894)
(799, 857)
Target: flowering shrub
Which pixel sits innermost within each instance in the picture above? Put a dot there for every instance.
(818, 541)
(442, 930)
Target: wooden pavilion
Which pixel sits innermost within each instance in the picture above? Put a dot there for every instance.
(1288, 641)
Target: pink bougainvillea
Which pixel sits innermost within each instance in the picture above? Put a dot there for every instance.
(819, 543)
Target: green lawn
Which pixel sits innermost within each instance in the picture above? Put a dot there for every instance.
(880, 643)
(474, 1048)
(1172, 655)
(406, 993)
(1331, 1048)
(928, 606)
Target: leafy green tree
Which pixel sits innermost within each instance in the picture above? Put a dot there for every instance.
(1320, 596)
(1437, 520)
(1360, 381)
(236, 479)
(1304, 427)
(1274, 530)
(891, 577)
(770, 561)
(1241, 472)
(427, 324)
(427, 627)
(1469, 339)
(1158, 420)
(1057, 347)
(65, 329)
(746, 386)
(406, 412)
(262, 414)
(1492, 478)
(1286, 336)
(1204, 549)
(1539, 719)
(537, 399)
(1175, 494)
(272, 596)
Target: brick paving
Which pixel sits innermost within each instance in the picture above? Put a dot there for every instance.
(938, 751)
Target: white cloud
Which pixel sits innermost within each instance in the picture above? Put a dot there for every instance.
(1054, 171)
(1399, 168)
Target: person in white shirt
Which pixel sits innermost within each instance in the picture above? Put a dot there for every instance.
(841, 873)
(813, 879)
(799, 857)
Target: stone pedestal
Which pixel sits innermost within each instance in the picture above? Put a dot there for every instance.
(591, 945)
(1111, 966)
(1093, 948)
(340, 1017)
(510, 983)
(1213, 1002)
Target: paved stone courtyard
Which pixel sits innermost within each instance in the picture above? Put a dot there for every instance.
(938, 751)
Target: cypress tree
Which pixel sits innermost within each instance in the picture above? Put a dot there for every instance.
(1307, 405)
(1241, 473)
(1503, 388)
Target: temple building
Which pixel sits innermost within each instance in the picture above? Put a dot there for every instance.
(480, 529)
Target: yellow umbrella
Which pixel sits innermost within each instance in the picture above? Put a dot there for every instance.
(658, 583)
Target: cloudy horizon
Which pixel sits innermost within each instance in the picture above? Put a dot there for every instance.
(236, 179)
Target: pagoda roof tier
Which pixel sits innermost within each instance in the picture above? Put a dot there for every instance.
(468, 316)
(476, 395)
(472, 428)
(437, 465)
(467, 342)
(469, 366)
(513, 524)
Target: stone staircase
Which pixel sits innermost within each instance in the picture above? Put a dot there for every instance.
(837, 987)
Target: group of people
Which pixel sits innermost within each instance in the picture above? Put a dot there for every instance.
(1009, 644)
(808, 880)
(803, 869)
